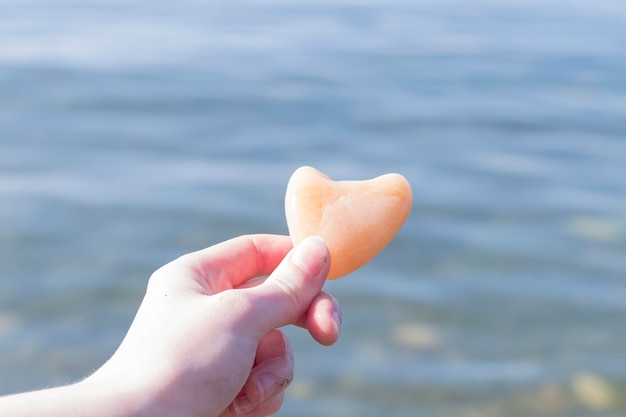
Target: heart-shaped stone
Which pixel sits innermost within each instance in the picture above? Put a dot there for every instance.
(356, 219)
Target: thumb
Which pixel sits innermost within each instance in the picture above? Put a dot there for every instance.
(287, 293)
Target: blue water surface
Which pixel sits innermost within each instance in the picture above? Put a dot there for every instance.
(133, 132)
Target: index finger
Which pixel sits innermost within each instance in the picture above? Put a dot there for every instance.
(230, 263)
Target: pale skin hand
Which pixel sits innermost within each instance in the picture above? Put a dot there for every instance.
(204, 342)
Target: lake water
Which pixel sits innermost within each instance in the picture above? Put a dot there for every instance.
(132, 132)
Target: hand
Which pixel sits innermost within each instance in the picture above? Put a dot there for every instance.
(203, 342)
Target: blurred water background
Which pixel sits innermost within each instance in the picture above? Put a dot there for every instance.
(132, 132)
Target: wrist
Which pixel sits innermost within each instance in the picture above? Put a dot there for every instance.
(121, 389)
(108, 393)
(100, 397)
(75, 400)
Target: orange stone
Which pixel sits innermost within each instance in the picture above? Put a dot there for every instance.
(356, 219)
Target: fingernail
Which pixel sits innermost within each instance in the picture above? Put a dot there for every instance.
(337, 315)
(310, 255)
(266, 384)
(243, 405)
